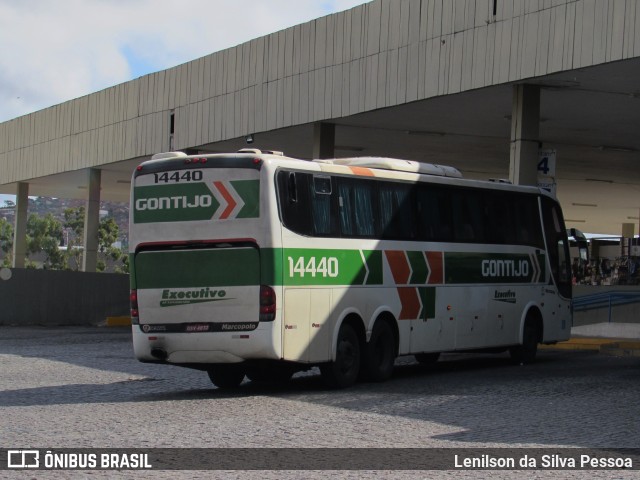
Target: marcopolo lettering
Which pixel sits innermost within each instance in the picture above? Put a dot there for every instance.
(505, 268)
(180, 201)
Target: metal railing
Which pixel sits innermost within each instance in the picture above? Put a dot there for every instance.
(605, 300)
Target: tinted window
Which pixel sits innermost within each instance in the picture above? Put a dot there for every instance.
(434, 217)
(557, 246)
(340, 206)
(356, 207)
(396, 214)
(293, 196)
(499, 217)
(528, 230)
(469, 215)
(323, 218)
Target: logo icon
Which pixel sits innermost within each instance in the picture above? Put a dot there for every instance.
(23, 459)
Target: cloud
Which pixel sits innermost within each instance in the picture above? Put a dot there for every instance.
(56, 51)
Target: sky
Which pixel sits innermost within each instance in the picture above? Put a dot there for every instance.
(54, 51)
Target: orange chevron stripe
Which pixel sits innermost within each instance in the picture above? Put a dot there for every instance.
(231, 203)
(399, 266)
(410, 301)
(362, 171)
(436, 266)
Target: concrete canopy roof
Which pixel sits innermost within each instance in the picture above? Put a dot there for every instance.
(589, 115)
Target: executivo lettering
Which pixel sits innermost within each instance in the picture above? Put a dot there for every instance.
(183, 297)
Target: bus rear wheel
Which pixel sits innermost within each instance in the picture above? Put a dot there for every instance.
(274, 374)
(526, 352)
(226, 376)
(343, 371)
(380, 353)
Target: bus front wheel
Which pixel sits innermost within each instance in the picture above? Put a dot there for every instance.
(343, 371)
(526, 352)
(227, 376)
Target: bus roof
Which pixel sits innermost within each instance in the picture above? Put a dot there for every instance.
(385, 163)
(395, 167)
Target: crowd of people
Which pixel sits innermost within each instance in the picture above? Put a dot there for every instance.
(604, 271)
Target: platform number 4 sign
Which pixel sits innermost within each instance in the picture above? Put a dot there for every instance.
(547, 163)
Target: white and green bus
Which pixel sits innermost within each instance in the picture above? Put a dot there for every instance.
(256, 264)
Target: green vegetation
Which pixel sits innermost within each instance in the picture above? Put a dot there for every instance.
(57, 245)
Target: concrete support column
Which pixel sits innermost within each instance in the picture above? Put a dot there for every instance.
(525, 121)
(324, 139)
(20, 226)
(91, 221)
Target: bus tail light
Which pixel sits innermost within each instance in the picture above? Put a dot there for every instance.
(267, 304)
(133, 299)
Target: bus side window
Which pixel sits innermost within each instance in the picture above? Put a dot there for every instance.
(395, 211)
(468, 215)
(345, 206)
(363, 208)
(292, 188)
(557, 246)
(321, 206)
(527, 221)
(294, 201)
(355, 201)
(499, 222)
(434, 213)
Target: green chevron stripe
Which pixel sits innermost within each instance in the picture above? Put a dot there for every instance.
(419, 268)
(428, 297)
(249, 191)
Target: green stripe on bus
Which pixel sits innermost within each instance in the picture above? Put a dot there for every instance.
(173, 203)
(249, 192)
(226, 267)
(321, 267)
(374, 265)
(428, 298)
(490, 268)
(419, 268)
(306, 267)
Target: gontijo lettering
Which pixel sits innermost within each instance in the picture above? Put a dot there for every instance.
(165, 203)
(505, 268)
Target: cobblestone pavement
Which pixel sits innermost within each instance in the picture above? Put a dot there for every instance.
(82, 387)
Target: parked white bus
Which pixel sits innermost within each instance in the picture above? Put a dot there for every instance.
(256, 264)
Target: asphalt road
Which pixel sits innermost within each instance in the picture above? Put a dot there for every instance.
(82, 388)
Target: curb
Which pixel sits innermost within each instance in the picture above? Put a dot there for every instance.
(119, 321)
(621, 349)
(606, 346)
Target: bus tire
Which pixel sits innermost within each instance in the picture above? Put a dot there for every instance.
(526, 352)
(380, 353)
(274, 374)
(427, 358)
(227, 376)
(343, 371)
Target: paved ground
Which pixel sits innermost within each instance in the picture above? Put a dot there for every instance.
(81, 387)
